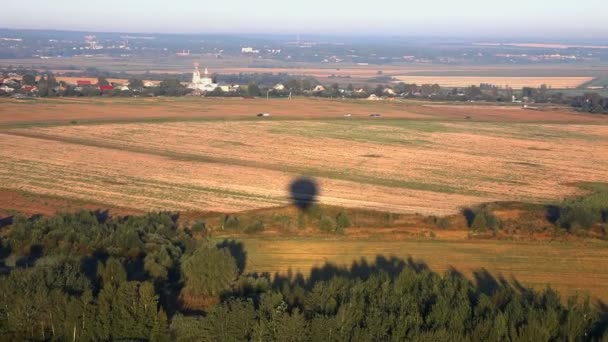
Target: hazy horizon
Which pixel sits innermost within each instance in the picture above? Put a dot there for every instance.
(472, 18)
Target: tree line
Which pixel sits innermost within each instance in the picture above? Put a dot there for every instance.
(89, 276)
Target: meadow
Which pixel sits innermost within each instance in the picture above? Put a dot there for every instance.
(511, 82)
(570, 268)
(216, 155)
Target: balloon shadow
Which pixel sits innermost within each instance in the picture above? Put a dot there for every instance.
(303, 192)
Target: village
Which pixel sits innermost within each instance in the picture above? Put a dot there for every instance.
(31, 85)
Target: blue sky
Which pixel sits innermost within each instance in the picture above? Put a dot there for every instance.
(538, 18)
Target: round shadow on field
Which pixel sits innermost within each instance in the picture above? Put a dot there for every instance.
(303, 192)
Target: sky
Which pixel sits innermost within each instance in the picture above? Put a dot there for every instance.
(464, 18)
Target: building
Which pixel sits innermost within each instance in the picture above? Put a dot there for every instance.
(6, 89)
(249, 50)
(204, 83)
(319, 89)
(232, 88)
(279, 87)
(83, 83)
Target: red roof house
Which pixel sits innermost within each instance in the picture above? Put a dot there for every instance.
(82, 83)
(106, 87)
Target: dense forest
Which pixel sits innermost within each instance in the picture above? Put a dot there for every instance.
(89, 276)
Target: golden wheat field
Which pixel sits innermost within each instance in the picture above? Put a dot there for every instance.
(209, 155)
(575, 268)
(511, 82)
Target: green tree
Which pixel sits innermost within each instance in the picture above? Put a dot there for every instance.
(28, 79)
(253, 89)
(172, 87)
(479, 222)
(135, 83)
(208, 272)
(102, 81)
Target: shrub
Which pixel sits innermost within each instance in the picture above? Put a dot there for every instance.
(343, 221)
(388, 219)
(199, 227)
(254, 227)
(283, 221)
(479, 223)
(578, 216)
(484, 219)
(443, 223)
(301, 221)
(492, 221)
(314, 211)
(231, 222)
(326, 224)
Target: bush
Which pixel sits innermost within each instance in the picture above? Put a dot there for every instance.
(199, 227)
(343, 221)
(479, 223)
(283, 221)
(301, 221)
(314, 211)
(254, 227)
(443, 223)
(578, 216)
(231, 222)
(326, 224)
(485, 219)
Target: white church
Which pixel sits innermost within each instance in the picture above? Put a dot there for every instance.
(204, 83)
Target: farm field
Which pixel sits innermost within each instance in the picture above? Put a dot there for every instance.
(512, 82)
(574, 268)
(426, 73)
(215, 155)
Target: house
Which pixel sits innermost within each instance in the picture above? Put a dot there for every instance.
(83, 83)
(105, 87)
(149, 84)
(232, 88)
(11, 82)
(319, 89)
(249, 50)
(388, 91)
(29, 89)
(373, 97)
(279, 87)
(122, 88)
(6, 89)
